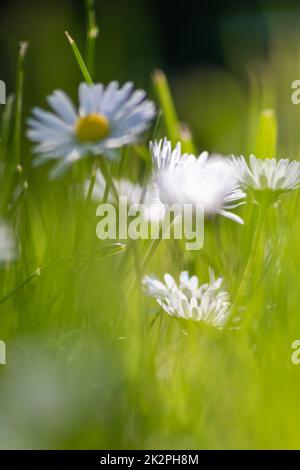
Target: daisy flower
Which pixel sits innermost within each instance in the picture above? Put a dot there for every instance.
(268, 174)
(190, 300)
(148, 196)
(108, 118)
(209, 181)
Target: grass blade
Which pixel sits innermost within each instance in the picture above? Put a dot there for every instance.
(79, 59)
(167, 105)
(6, 126)
(19, 101)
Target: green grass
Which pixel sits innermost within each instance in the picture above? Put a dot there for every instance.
(92, 363)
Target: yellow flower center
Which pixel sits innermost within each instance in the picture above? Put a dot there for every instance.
(91, 128)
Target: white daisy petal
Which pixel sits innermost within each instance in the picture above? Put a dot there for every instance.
(49, 120)
(267, 174)
(208, 303)
(207, 181)
(63, 106)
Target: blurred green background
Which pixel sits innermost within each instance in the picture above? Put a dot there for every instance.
(215, 55)
(83, 369)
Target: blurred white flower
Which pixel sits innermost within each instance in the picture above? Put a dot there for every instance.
(108, 118)
(268, 174)
(135, 193)
(189, 299)
(209, 181)
(8, 248)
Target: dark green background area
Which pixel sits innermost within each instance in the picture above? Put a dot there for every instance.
(135, 36)
(206, 48)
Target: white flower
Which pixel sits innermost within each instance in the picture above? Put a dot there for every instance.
(163, 156)
(209, 181)
(8, 248)
(189, 300)
(108, 118)
(133, 191)
(148, 196)
(268, 174)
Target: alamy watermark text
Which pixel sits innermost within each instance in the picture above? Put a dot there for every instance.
(139, 221)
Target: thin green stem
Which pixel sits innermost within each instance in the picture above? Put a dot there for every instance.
(91, 185)
(151, 252)
(106, 193)
(157, 125)
(108, 177)
(19, 101)
(19, 286)
(6, 125)
(137, 262)
(20, 194)
(86, 204)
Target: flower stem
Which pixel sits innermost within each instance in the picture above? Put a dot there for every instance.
(91, 185)
(150, 253)
(82, 218)
(108, 178)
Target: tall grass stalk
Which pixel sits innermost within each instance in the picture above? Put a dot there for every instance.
(79, 59)
(166, 103)
(6, 126)
(19, 101)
